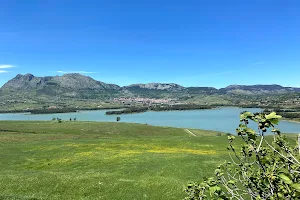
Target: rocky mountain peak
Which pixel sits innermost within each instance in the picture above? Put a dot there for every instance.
(158, 86)
(72, 81)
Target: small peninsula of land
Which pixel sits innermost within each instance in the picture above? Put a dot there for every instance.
(159, 108)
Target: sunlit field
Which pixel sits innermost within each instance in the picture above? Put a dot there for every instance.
(90, 160)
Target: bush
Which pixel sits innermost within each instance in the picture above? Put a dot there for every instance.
(219, 134)
(260, 169)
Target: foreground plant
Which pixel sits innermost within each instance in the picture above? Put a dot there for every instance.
(263, 168)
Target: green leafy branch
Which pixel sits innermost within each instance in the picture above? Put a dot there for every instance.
(259, 169)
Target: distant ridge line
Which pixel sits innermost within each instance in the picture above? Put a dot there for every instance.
(69, 80)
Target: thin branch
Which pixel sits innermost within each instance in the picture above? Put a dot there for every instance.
(279, 152)
(261, 140)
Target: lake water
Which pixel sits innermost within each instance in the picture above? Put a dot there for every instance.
(221, 119)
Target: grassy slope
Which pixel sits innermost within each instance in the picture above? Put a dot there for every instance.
(89, 160)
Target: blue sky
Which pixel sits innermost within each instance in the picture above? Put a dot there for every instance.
(192, 42)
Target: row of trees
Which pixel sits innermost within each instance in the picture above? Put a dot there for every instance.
(52, 111)
(127, 111)
(159, 108)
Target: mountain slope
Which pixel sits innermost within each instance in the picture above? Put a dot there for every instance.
(74, 86)
(257, 89)
(23, 82)
(157, 86)
(68, 81)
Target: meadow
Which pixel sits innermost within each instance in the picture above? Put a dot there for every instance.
(97, 160)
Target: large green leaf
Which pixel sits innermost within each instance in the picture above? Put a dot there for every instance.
(285, 179)
(296, 186)
(273, 118)
(214, 189)
(250, 131)
(246, 115)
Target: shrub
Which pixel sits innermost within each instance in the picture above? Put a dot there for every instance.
(118, 119)
(218, 134)
(260, 169)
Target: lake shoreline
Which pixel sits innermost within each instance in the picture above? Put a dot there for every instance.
(57, 111)
(223, 119)
(161, 109)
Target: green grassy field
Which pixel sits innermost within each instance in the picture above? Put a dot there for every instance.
(90, 160)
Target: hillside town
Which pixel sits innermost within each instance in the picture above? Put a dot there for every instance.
(144, 101)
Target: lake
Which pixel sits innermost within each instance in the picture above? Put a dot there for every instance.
(220, 119)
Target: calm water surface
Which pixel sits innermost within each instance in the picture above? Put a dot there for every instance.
(221, 119)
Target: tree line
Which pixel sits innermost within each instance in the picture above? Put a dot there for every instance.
(127, 111)
(158, 108)
(52, 111)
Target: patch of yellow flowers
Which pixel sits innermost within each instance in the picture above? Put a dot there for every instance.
(116, 151)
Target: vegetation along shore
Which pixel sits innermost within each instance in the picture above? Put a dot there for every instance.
(132, 110)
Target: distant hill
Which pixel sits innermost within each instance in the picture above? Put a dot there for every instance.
(68, 81)
(258, 89)
(202, 90)
(67, 86)
(157, 86)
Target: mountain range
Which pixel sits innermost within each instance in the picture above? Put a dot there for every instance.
(76, 90)
(75, 83)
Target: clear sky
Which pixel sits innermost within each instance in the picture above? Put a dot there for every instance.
(189, 42)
